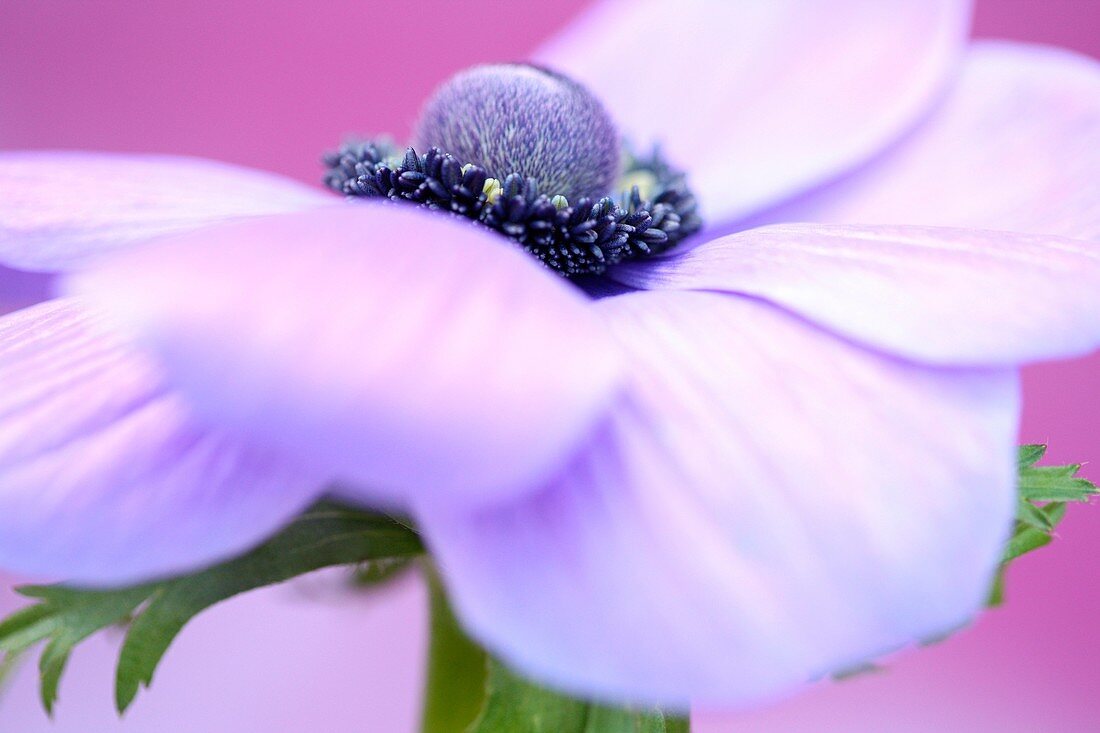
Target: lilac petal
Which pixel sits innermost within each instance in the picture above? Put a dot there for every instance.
(19, 289)
(942, 296)
(1015, 146)
(406, 351)
(104, 476)
(763, 100)
(766, 505)
(60, 210)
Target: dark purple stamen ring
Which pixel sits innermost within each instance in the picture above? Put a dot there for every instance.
(573, 238)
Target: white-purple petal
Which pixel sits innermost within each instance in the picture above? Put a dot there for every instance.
(1015, 146)
(767, 504)
(760, 101)
(60, 210)
(943, 296)
(19, 289)
(409, 353)
(104, 476)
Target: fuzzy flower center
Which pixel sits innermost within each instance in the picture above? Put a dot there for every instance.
(515, 118)
(533, 156)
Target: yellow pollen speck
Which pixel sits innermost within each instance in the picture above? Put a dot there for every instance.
(492, 190)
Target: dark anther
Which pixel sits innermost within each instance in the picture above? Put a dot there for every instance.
(576, 238)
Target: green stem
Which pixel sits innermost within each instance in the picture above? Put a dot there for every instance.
(457, 666)
(468, 692)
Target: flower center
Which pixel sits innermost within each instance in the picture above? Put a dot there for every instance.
(515, 118)
(533, 156)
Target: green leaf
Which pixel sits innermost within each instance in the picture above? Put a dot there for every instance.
(324, 536)
(378, 572)
(380, 546)
(64, 617)
(997, 592)
(1029, 455)
(1055, 483)
(1043, 494)
(1030, 515)
(514, 705)
(1026, 538)
(9, 662)
(1050, 483)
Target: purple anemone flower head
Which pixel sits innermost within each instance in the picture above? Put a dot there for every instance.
(516, 118)
(713, 472)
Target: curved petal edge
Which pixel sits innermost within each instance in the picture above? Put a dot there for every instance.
(404, 351)
(1014, 146)
(934, 295)
(105, 477)
(766, 505)
(761, 101)
(60, 210)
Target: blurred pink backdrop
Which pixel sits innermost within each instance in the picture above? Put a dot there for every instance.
(272, 84)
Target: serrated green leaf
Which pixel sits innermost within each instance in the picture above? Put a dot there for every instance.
(1042, 494)
(50, 666)
(1034, 526)
(1055, 483)
(1050, 483)
(1029, 455)
(1026, 539)
(26, 627)
(64, 617)
(9, 662)
(514, 705)
(326, 535)
(1049, 472)
(333, 535)
(1034, 529)
(1032, 516)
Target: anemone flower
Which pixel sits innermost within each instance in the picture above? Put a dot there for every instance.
(711, 474)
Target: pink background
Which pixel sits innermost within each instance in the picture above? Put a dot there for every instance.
(272, 84)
